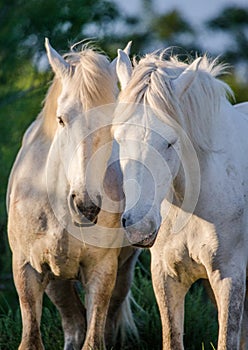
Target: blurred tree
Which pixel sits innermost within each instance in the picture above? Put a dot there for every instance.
(234, 22)
(173, 30)
(168, 26)
(162, 30)
(25, 24)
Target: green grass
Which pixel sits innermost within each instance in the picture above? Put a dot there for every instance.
(11, 326)
(201, 328)
(200, 317)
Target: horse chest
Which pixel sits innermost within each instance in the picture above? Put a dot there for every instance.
(59, 251)
(42, 240)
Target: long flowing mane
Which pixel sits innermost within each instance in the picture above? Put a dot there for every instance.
(198, 108)
(92, 81)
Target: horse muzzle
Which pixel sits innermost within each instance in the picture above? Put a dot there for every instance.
(83, 210)
(140, 238)
(148, 241)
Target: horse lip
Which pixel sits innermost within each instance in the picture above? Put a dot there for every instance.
(86, 223)
(142, 245)
(147, 242)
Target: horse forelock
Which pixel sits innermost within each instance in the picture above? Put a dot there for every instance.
(196, 110)
(94, 79)
(91, 79)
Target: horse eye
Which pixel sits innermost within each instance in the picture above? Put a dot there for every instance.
(61, 121)
(171, 144)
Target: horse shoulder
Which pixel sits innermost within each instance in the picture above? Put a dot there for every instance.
(176, 253)
(224, 182)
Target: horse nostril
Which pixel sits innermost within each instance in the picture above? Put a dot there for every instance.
(124, 222)
(82, 207)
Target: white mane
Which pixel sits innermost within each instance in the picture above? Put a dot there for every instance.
(93, 77)
(196, 111)
(92, 80)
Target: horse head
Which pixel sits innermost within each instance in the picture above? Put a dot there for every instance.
(151, 142)
(84, 117)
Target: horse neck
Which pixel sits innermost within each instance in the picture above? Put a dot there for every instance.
(187, 182)
(202, 169)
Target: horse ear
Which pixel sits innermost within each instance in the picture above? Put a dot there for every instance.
(181, 84)
(123, 68)
(121, 65)
(58, 64)
(128, 48)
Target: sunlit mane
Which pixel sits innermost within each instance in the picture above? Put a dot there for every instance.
(92, 81)
(196, 111)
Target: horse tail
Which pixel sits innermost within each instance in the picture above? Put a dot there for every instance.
(125, 324)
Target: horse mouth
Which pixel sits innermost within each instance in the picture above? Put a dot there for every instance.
(147, 242)
(85, 223)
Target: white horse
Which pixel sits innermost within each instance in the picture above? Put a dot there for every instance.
(183, 153)
(53, 209)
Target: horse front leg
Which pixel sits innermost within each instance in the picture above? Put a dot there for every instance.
(170, 295)
(99, 281)
(64, 295)
(30, 286)
(229, 289)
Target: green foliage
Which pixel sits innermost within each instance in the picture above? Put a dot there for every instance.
(239, 87)
(15, 116)
(11, 327)
(168, 26)
(231, 18)
(146, 310)
(10, 330)
(25, 24)
(51, 329)
(234, 22)
(201, 325)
